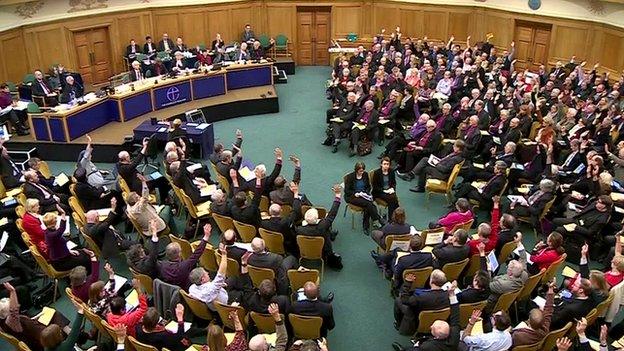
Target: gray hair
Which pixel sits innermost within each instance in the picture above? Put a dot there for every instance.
(172, 251)
(515, 268)
(311, 216)
(196, 275)
(4, 308)
(547, 185)
(257, 245)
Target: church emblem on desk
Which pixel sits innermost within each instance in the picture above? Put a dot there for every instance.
(173, 94)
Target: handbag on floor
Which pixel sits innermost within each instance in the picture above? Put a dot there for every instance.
(364, 147)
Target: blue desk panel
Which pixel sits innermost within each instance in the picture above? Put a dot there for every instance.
(83, 122)
(204, 87)
(252, 77)
(40, 128)
(172, 95)
(137, 105)
(57, 129)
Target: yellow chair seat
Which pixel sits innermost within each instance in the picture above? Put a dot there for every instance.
(436, 185)
(203, 209)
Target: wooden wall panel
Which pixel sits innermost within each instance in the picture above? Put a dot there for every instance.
(612, 46)
(280, 20)
(193, 28)
(503, 28)
(166, 22)
(218, 22)
(435, 23)
(386, 17)
(346, 19)
(569, 41)
(13, 66)
(240, 16)
(459, 25)
(411, 22)
(51, 47)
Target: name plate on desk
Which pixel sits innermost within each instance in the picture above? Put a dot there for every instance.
(173, 94)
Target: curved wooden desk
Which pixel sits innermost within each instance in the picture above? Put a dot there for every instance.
(139, 98)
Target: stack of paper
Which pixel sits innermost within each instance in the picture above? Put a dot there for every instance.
(208, 190)
(119, 282)
(173, 326)
(132, 300)
(246, 173)
(61, 179)
(45, 317)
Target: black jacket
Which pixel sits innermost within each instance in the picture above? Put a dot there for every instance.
(90, 196)
(349, 184)
(250, 213)
(412, 260)
(377, 181)
(316, 308)
(448, 254)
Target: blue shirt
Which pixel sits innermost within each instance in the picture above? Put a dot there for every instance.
(359, 185)
(496, 340)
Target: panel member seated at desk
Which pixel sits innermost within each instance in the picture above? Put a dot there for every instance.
(259, 52)
(7, 111)
(179, 64)
(132, 50)
(180, 46)
(242, 54)
(71, 90)
(41, 87)
(135, 72)
(166, 44)
(248, 34)
(149, 48)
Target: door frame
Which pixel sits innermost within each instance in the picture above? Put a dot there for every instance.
(74, 30)
(309, 8)
(537, 25)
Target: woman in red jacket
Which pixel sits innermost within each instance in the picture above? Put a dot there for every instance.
(543, 255)
(32, 227)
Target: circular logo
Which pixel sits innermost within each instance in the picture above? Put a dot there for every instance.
(535, 4)
(173, 94)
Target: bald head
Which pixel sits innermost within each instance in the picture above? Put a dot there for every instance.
(229, 236)
(310, 290)
(92, 216)
(275, 210)
(440, 329)
(257, 245)
(258, 342)
(536, 319)
(123, 156)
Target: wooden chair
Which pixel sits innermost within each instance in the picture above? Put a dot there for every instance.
(182, 208)
(223, 222)
(389, 239)
(44, 168)
(453, 270)
(506, 250)
(264, 203)
(197, 212)
(298, 278)
(246, 231)
(425, 232)
(505, 301)
(473, 266)
(547, 207)
(146, 281)
(352, 208)
(20, 211)
(96, 321)
(443, 187)
(11, 340)
(527, 289)
(19, 224)
(233, 268)
(258, 274)
(422, 276)
(552, 270)
(274, 241)
(379, 202)
(311, 248)
(76, 207)
(186, 249)
(208, 260)
(91, 243)
(590, 317)
(426, 319)
(604, 305)
(305, 327)
(465, 311)
(48, 270)
(80, 223)
(286, 210)
(550, 341)
(531, 347)
(264, 322)
(139, 346)
(224, 311)
(223, 181)
(198, 308)
(463, 225)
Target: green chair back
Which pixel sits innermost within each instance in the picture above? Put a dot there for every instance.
(33, 108)
(28, 78)
(12, 87)
(264, 40)
(202, 46)
(281, 41)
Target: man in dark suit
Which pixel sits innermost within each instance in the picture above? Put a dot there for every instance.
(215, 157)
(313, 306)
(106, 237)
(486, 171)
(127, 167)
(413, 260)
(48, 199)
(248, 34)
(180, 46)
(587, 223)
(483, 116)
(410, 303)
(507, 232)
(565, 171)
(186, 181)
(132, 50)
(484, 194)
(453, 249)
(149, 48)
(441, 170)
(234, 252)
(315, 226)
(262, 258)
(166, 44)
(368, 117)
(245, 211)
(285, 226)
(136, 73)
(346, 110)
(90, 197)
(426, 144)
(576, 307)
(471, 135)
(41, 87)
(142, 262)
(444, 335)
(11, 172)
(71, 90)
(242, 54)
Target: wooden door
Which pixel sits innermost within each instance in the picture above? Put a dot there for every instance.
(313, 36)
(305, 38)
(93, 54)
(532, 41)
(323, 38)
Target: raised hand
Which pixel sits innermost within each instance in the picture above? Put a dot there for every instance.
(563, 344)
(581, 325)
(475, 317)
(584, 250)
(274, 311)
(141, 178)
(120, 333)
(278, 153)
(410, 277)
(8, 287)
(109, 269)
(179, 311)
(207, 231)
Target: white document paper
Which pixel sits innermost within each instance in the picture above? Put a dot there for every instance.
(434, 238)
(540, 302)
(492, 261)
(519, 199)
(433, 160)
(71, 245)
(192, 168)
(173, 326)
(119, 282)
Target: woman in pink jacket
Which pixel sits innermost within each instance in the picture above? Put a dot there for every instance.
(462, 213)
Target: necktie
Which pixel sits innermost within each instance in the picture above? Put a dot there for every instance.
(139, 75)
(166, 45)
(569, 159)
(43, 189)
(45, 87)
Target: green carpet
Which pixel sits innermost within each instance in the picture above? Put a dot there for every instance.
(362, 304)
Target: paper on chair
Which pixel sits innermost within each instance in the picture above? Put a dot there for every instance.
(496, 140)
(569, 227)
(173, 326)
(359, 126)
(71, 245)
(478, 184)
(540, 302)
(448, 141)
(519, 199)
(478, 165)
(434, 238)
(433, 160)
(492, 261)
(427, 249)
(103, 212)
(246, 173)
(192, 168)
(45, 317)
(336, 120)
(484, 132)
(4, 239)
(521, 325)
(119, 282)
(13, 192)
(61, 179)
(208, 190)
(399, 244)
(132, 300)
(4, 221)
(517, 166)
(568, 272)
(617, 196)
(383, 121)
